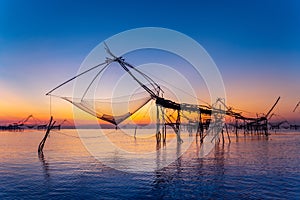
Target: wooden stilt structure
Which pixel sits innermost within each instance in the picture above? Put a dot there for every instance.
(156, 93)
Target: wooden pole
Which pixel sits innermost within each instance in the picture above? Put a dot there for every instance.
(163, 125)
(201, 128)
(42, 143)
(236, 128)
(135, 132)
(157, 125)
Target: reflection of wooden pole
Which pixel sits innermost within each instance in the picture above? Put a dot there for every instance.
(266, 127)
(227, 133)
(165, 134)
(42, 143)
(135, 132)
(223, 140)
(45, 164)
(200, 128)
(178, 127)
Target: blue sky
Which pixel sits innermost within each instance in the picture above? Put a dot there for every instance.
(255, 44)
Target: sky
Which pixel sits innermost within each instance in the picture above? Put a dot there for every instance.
(255, 44)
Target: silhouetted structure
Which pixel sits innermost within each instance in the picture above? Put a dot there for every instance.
(214, 114)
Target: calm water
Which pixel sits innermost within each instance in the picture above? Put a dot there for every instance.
(250, 167)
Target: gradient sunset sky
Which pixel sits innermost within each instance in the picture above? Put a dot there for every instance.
(255, 44)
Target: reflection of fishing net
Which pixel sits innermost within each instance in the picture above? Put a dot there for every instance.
(113, 110)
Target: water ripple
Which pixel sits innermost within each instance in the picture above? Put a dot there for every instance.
(250, 168)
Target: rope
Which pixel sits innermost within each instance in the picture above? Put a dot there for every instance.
(138, 81)
(95, 79)
(150, 80)
(174, 87)
(48, 93)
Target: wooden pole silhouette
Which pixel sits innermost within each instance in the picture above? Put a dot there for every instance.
(42, 143)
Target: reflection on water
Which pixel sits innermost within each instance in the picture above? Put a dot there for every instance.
(116, 149)
(251, 167)
(45, 164)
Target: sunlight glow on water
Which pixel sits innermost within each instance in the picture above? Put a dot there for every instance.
(250, 168)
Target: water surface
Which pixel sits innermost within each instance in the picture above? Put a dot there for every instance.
(250, 167)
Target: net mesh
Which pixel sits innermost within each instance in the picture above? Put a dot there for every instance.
(114, 110)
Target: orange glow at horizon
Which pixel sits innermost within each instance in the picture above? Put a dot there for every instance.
(250, 101)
